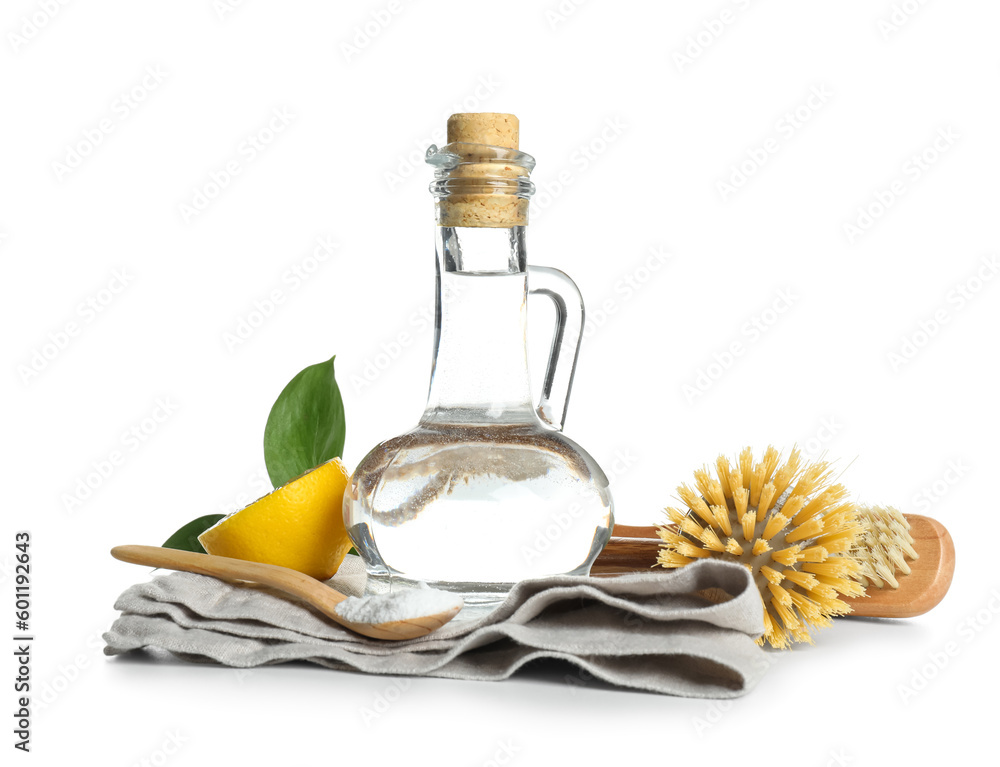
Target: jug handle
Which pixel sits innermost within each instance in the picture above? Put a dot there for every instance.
(566, 340)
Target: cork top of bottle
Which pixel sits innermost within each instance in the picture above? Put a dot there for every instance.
(481, 177)
(490, 128)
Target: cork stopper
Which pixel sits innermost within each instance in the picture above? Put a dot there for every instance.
(487, 185)
(491, 128)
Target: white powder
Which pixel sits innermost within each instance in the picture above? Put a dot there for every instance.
(398, 605)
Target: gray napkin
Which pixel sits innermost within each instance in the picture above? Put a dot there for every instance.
(644, 631)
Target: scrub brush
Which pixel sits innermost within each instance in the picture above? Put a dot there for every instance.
(788, 524)
(927, 548)
(915, 551)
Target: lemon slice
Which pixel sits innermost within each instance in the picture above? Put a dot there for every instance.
(300, 525)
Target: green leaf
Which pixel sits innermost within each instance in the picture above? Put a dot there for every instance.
(186, 539)
(306, 425)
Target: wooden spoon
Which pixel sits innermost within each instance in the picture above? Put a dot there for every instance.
(308, 589)
(634, 549)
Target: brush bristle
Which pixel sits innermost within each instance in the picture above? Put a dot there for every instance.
(883, 547)
(787, 523)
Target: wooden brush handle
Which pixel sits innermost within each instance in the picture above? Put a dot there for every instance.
(634, 549)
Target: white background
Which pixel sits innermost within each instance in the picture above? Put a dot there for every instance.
(918, 431)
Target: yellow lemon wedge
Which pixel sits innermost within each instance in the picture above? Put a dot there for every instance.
(300, 525)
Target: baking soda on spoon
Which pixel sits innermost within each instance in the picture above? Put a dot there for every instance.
(398, 605)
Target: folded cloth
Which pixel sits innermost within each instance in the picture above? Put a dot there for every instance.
(643, 631)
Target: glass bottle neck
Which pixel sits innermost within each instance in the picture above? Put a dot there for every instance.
(480, 371)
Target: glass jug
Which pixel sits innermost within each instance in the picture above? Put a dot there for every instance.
(486, 490)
